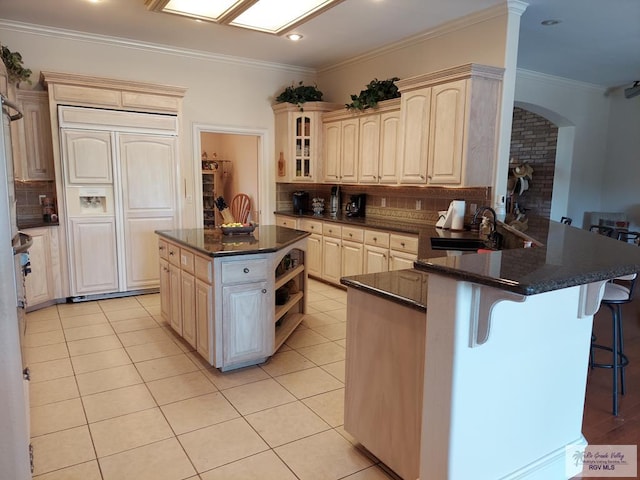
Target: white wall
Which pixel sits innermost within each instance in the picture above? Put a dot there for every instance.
(475, 39)
(220, 91)
(621, 177)
(584, 111)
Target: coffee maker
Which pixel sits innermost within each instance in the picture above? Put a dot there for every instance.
(355, 206)
(300, 202)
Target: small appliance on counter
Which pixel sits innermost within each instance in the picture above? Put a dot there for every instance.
(334, 203)
(355, 206)
(453, 218)
(300, 202)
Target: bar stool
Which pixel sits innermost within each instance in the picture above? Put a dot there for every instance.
(616, 293)
(566, 220)
(602, 230)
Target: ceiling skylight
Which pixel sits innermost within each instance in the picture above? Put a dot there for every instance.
(271, 16)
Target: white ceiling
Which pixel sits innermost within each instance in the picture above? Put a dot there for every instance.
(597, 42)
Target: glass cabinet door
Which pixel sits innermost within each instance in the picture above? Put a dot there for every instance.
(303, 143)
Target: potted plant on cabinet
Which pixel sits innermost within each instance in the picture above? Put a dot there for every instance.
(15, 71)
(376, 91)
(300, 94)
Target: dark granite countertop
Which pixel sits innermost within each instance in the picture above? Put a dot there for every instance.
(570, 257)
(407, 287)
(265, 239)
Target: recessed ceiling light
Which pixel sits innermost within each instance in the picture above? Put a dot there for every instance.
(550, 22)
(270, 16)
(294, 37)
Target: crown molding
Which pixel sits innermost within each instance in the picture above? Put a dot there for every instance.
(522, 73)
(444, 29)
(74, 35)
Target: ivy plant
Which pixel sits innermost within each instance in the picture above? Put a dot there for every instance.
(300, 94)
(376, 91)
(15, 71)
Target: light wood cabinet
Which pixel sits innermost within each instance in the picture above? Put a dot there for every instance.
(31, 137)
(331, 259)
(314, 255)
(403, 251)
(298, 140)
(450, 122)
(340, 151)
(288, 222)
(415, 112)
(39, 283)
(188, 311)
(175, 298)
(385, 353)
(204, 319)
(378, 149)
(352, 258)
(245, 335)
(376, 259)
(401, 260)
(165, 300)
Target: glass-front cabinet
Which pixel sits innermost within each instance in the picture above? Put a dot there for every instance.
(298, 143)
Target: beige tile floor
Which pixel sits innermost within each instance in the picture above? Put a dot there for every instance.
(116, 395)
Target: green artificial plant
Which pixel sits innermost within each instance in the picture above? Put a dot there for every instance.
(15, 71)
(376, 91)
(300, 94)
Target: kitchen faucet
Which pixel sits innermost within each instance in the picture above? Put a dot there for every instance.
(494, 237)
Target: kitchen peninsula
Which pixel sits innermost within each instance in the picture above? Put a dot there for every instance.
(504, 358)
(235, 298)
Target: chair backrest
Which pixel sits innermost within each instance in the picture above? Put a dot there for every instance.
(566, 220)
(240, 207)
(628, 237)
(602, 230)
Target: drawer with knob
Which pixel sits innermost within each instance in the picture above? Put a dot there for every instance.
(173, 254)
(331, 230)
(376, 238)
(353, 234)
(162, 249)
(404, 243)
(243, 271)
(311, 226)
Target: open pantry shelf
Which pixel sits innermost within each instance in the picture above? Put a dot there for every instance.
(288, 325)
(284, 278)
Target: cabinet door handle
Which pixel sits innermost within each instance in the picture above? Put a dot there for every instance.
(375, 239)
(171, 252)
(245, 270)
(264, 290)
(402, 244)
(160, 248)
(351, 234)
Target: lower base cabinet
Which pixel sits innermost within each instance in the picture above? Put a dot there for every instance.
(225, 307)
(39, 283)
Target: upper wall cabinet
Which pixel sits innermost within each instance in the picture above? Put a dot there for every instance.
(298, 140)
(32, 144)
(362, 147)
(450, 122)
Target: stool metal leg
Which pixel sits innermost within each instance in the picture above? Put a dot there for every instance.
(620, 346)
(615, 361)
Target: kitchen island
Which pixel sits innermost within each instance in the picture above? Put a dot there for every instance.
(234, 298)
(506, 353)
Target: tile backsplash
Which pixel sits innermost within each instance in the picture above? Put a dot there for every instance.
(406, 203)
(28, 198)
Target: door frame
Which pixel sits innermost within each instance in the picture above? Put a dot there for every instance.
(266, 173)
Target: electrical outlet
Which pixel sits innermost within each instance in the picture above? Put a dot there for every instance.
(383, 202)
(41, 199)
(418, 204)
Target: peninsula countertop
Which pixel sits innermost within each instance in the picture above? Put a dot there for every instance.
(264, 239)
(569, 257)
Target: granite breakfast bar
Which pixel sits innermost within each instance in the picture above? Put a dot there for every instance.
(506, 352)
(234, 298)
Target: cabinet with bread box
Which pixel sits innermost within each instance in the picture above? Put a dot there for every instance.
(235, 310)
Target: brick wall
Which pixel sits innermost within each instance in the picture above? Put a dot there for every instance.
(534, 140)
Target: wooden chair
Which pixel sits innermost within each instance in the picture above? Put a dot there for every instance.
(240, 207)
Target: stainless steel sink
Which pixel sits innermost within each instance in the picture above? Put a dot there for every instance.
(460, 244)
